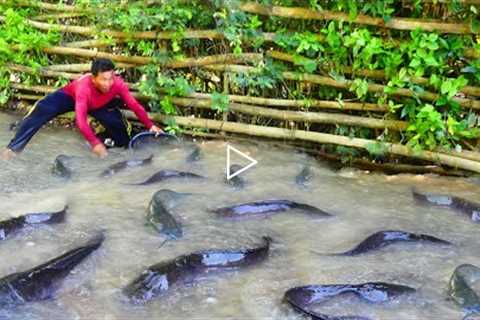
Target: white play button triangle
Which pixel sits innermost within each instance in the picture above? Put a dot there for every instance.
(251, 164)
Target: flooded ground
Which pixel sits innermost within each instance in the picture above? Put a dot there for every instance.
(361, 204)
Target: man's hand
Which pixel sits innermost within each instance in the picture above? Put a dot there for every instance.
(100, 150)
(156, 129)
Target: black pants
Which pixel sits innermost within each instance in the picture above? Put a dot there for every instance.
(58, 103)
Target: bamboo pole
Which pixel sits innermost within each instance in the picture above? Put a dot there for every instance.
(42, 71)
(31, 97)
(374, 74)
(308, 104)
(198, 34)
(346, 84)
(94, 43)
(152, 35)
(62, 15)
(183, 63)
(317, 137)
(465, 154)
(45, 6)
(278, 103)
(373, 87)
(393, 23)
(81, 67)
(313, 117)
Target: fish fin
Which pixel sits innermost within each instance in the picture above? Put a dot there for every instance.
(267, 239)
(323, 254)
(163, 243)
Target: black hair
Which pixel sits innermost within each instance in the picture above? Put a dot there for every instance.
(101, 65)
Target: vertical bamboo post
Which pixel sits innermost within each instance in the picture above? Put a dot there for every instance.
(226, 90)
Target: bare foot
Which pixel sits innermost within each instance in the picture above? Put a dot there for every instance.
(7, 154)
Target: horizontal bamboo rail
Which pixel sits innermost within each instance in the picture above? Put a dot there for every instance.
(307, 104)
(393, 23)
(81, 67)
(140, 60)
(374, 74)
(373, 87)
(299, 116)
(346, 84)
(317, 137)
(279, 103)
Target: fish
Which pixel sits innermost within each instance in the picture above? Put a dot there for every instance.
(302, 298)
(304, 176)
(159, 213)
(236, 182)
(162, 277)
(120, 166)
(460, 290)
(165, 174)
(267, 207)
(195, 155)
(13, 225)
(385, 238)
(13, 126)
(43, 281)
(61, 166)
(470, 208)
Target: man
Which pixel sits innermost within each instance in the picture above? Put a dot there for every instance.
(98, 94)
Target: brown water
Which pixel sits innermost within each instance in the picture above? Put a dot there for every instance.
(362, 204)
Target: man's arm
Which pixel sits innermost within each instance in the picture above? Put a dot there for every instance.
(81, 112)
(134, 105)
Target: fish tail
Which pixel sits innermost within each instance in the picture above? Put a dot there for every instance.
(311, 209)
(324, 254)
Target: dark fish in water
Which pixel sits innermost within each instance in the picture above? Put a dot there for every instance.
(237, 182)
(470, 208)
(195, 155)
(169, 174)
(144, 139)
(304, 176)
(302, 298)
(61, 166)
(460, 288)
(160, 277)
(14, 126)
(41, 282)
(384, 238)
(120, 166)
(10, 226)
(266, 207)
(159, 213)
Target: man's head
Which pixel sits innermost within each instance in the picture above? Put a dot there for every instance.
(102, 74)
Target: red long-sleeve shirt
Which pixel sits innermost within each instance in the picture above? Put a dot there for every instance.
(88, 98)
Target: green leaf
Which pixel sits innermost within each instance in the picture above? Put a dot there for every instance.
(220, 102)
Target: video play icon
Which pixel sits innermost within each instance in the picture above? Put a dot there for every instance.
(251, 164)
